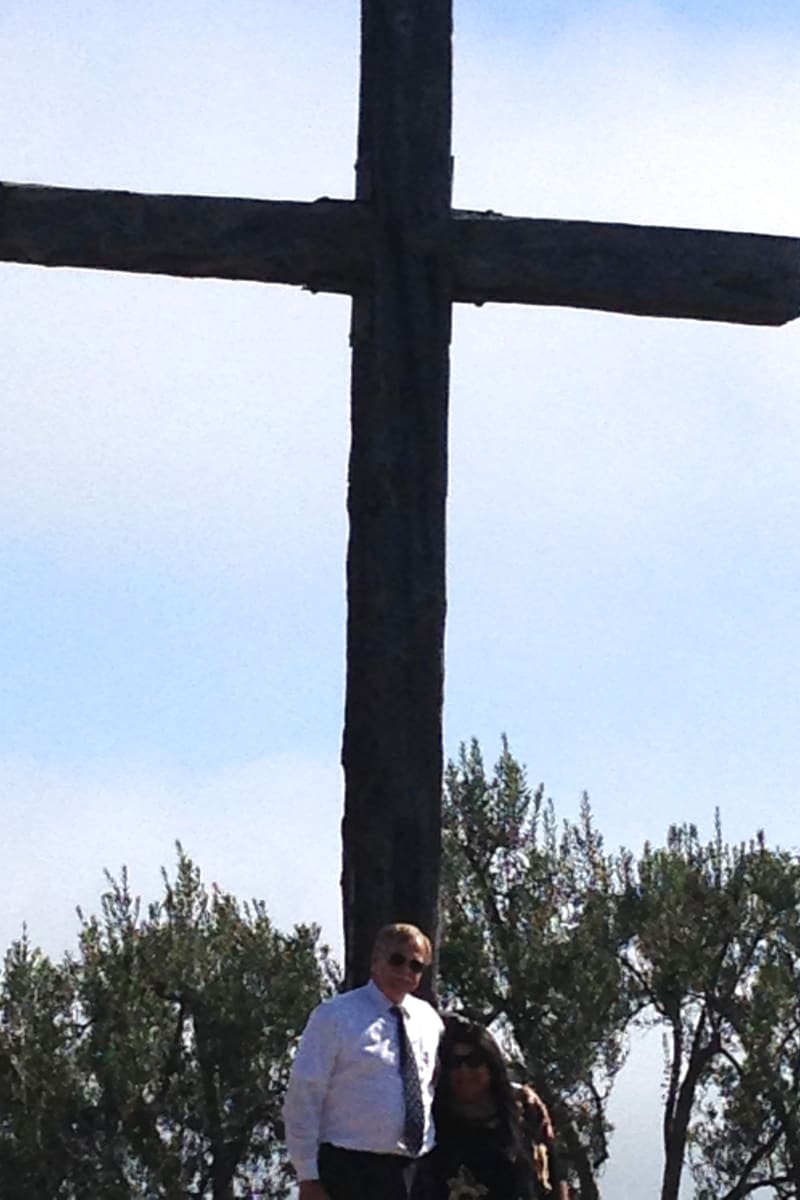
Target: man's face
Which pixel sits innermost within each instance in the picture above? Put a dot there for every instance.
(396, 968)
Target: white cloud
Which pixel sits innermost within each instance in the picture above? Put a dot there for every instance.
(632, 116)
(211, 419)
(182, 98)
(619, 432)
(187, 418)
(267, 830)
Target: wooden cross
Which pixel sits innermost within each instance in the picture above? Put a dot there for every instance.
(404, 255)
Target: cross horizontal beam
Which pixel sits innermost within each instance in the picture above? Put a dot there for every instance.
(325, 245)
(314, 245)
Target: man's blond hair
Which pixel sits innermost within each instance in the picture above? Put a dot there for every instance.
(400, 931)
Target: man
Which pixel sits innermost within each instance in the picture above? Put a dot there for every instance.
(358, 1105)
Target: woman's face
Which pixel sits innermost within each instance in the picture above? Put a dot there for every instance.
(468, 1073)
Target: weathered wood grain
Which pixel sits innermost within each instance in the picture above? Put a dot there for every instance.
(327, 246)
(319, 245)
(392, 747)
(641, 269)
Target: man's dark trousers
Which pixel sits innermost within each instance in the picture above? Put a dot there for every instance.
(357, 1175)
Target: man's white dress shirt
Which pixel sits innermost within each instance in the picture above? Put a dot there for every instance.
(345, 1086)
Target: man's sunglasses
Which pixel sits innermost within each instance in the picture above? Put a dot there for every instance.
(475, 1058)
(399, 960)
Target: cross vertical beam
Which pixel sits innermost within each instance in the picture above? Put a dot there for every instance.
(392, 745)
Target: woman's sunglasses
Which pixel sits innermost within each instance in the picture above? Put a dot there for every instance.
(400, 960)
(475, 1058)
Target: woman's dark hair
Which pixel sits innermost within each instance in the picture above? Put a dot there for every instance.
(458, 1031)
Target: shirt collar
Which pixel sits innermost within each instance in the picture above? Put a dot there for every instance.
(383, 1002)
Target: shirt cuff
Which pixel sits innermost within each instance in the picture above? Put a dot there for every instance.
(306, 1169)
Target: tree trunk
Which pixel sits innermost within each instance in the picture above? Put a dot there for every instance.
(587, 1183)
(576, 1154)
(678, 1126)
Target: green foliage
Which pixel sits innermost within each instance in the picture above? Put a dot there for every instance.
(38, 1078)
(748, 1132)
(529, 942)
(565, 949)
(153, 1062)
(709, 944)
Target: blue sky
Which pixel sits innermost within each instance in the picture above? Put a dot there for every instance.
(624, 500)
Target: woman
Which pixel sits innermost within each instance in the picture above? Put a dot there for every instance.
(484, 1148)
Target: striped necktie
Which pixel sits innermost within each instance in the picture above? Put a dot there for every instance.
(414, 1123)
